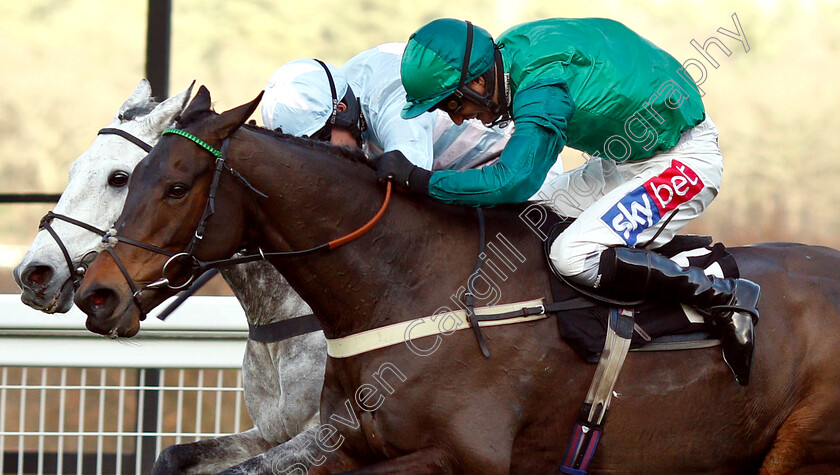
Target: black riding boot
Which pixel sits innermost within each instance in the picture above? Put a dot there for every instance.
(730, 304)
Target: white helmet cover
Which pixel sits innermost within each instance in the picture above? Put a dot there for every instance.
(297, 98)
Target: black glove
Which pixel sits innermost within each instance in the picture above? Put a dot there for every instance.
(394, 166)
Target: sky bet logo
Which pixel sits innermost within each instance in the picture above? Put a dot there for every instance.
(645, 206)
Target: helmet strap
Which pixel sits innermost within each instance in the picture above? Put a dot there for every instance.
(486, 100)
(351, 102)
(332, 91)
(502, 107)
(465, 68)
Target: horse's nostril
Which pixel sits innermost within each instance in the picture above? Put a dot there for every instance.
(100, 297)
(99, 302)
(37, 276)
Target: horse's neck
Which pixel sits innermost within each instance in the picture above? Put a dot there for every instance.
(407, 258)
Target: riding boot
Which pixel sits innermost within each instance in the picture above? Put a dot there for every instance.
(728, 304)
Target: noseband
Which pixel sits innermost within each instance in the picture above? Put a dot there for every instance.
(77, 273)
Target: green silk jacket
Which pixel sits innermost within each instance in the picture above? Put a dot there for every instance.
(592, 84)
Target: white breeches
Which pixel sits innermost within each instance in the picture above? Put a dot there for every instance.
(636, 204)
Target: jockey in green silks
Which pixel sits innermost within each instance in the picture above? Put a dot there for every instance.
(596, 86)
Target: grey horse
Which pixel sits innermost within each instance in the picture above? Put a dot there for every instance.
(282, 380)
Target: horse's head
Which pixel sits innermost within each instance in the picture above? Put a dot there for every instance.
(167, 204)
(94, 195)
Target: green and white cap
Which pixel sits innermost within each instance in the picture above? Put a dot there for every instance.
(433, 60)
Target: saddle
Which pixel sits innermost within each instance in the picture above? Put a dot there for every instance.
(604, 332)
(656, 323)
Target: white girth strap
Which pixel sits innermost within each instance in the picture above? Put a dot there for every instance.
(382, 337)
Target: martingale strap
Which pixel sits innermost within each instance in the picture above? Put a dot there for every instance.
(469, 297)
(270, 333)
(475, 319)
(184, 295)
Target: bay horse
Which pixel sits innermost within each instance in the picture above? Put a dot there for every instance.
(282, 380)
(452, 410)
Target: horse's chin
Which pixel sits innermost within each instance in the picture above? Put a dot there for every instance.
(121, 324)
(53, 300)
(128, 330)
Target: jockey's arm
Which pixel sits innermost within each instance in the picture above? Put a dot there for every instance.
(541, 112)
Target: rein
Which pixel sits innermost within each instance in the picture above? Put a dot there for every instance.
(199, 267)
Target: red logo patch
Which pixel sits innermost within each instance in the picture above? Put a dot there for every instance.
(673, 187)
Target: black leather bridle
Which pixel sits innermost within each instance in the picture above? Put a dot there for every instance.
(198, 267)
(77, 273)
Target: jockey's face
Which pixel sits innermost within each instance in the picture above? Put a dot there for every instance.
(342, 136)
(471, 110)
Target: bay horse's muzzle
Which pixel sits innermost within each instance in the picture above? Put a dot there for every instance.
(98, 301)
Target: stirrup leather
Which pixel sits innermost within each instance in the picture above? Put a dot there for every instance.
(593, 413)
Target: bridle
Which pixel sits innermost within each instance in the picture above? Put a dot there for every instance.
(77, 273)
(110, 237)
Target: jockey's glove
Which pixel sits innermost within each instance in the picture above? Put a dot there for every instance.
(395, 167)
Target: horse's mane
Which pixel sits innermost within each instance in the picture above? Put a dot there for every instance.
(358, 155)
(353, 154)
(326, 147)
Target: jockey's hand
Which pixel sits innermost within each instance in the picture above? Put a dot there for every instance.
(395, 167)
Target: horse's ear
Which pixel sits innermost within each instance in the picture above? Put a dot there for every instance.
(165, 113)
(184, 96)
(234, 118)
(201, 102)
(141, 95)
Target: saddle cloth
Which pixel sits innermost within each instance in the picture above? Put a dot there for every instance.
(585, 329)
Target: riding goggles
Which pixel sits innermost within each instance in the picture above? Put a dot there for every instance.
(451, 104)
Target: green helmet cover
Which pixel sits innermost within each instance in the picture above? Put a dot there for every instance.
(432, 61)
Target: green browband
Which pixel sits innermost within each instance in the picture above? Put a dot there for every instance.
(198, 141)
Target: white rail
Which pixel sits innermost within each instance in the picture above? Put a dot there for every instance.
(205, 332)
(75, 402)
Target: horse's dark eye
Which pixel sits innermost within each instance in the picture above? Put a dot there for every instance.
(178, 190)
(118, 179)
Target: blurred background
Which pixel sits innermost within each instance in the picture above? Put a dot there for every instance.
(69, 64)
